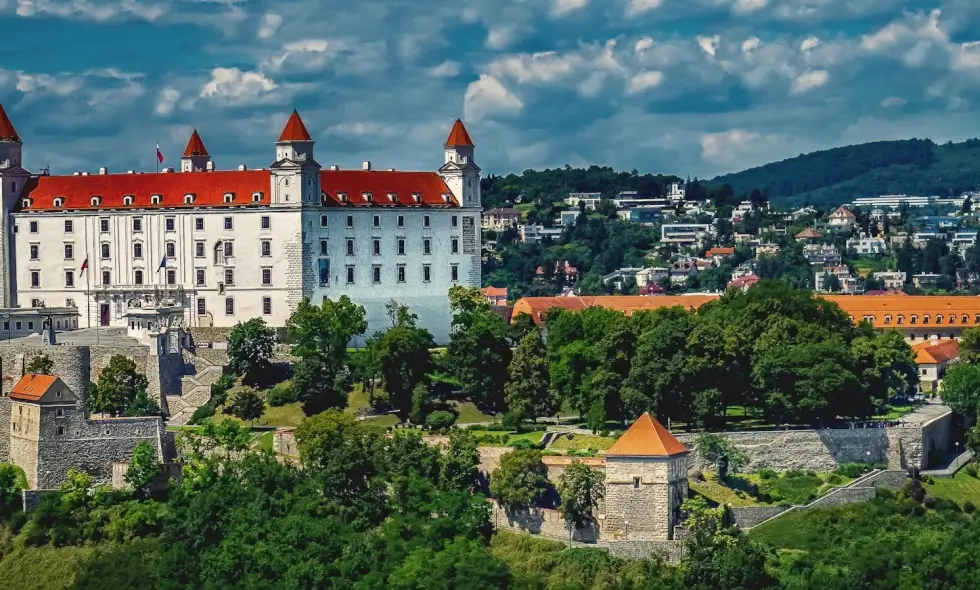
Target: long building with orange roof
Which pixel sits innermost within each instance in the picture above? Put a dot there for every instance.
(917, 317)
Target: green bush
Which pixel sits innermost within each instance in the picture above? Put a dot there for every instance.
(792, 488)
(281, 394)
(969, 507)
(219, 390)
(835, 479)
(766, 474)
(440, 420)
(513, 420)
(523, 443)
(853, 470)
(201, 414)
(570, 436)
(971, 469)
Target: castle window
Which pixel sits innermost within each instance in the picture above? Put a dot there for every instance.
(229, 306)
(342, 197)
(901, 319)
(393, 197)
(61, 431)
(350, 221)
(256, 197)
(914, 319)
(417, 197)
(426, 246)
(154, 199)
(455, 221)
(137, 224)
(324, 247)
(266, 276)
(199, 224)
(170, 224)
(171, 277)
(69, 251)
(401, 221)
(229, 197)
(58, 201)
(323, 221)
(401, 247)
(202, 308)
(377, 247)
(189, 199)
(925, 319)
(267, 306)
(69, 226)
(96, 201)
(401, 273)
(377, 221)
(636, 483)
(265, 222)
(939, 318)
(59, 412)
(138, 250)
(106, 277)
(266, 248)
(426, 222)
(35, 278)
(454, 272)
(171, 250)
(454, 246)
(229, 224)
(426, 273)
(107, 431)
(33, 227)
(888, 319)
(350, 247)
(367, 197)
(376, 273)
(138, 277)
(127, 200)
(26, 203)
(104, 225)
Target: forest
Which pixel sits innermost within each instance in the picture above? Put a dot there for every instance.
(836, 176)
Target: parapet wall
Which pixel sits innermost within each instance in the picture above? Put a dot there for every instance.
(546, 522)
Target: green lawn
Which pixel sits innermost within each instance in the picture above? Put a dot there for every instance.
(512, 437)
(583, 442)
(359, 399)
(960, 488)
(720, 493)
(385, 421)
(264, 441)
(279, 416)
(799, 488)
(469, 414)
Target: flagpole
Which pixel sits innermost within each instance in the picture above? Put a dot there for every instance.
(88, 295)
(156, 156)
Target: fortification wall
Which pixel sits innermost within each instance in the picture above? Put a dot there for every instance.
(545, 522)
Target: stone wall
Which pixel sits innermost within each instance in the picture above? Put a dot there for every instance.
(284, 442)
(669, 551)
(545, 522)
(843, 496)
(749, 516)
(31, 498)
(643, 496)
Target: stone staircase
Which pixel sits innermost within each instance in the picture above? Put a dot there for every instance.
(195, 389)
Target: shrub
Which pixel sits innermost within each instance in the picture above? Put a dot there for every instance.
(853, 470)
(969, 507)
(766, 473)
(927, 479)
(834, 479)
(440, 420)
(513, 420)
(219, 390)
(792, 473)
(523, 443)
(281, 394)
(929, 501)
(570, 436)
(971, 469)
(201, 414)
(604, 433)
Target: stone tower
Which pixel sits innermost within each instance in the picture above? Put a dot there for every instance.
(13, 178)
(41, 407)
(646, 483)
(195, 157)
(460, 171)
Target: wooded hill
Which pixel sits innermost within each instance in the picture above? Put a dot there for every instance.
(837, 176)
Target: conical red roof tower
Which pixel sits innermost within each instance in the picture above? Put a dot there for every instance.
(7, 131)
(195, 147)
(458, 137)
(295, 130)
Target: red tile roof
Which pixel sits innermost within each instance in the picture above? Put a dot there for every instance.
(646, 438)
(7, 131)
(808, 233)
(458, 136)
(936, 352)
(495, 291)
(195, 147)
(32, 387)
(405, 186)
(208, 189)
(742, 282)
(720, 252)
(295, 130)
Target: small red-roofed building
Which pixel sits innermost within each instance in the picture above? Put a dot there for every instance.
(933, 357)
(496, 295)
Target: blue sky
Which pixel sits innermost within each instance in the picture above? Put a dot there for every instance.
(689, 87)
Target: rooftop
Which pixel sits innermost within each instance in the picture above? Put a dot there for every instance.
(7, 131)
(646, 438)
(936, 352)
(32, 387)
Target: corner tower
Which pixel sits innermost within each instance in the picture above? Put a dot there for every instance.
(459, 170)
(295, 173)
(13, 179)
(195, 157)
(646, 482)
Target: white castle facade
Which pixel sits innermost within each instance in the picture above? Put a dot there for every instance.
(230, 245)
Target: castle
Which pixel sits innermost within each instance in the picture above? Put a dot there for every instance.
(230, 245)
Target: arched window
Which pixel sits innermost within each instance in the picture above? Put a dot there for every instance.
(914, 320)
(901, 320)
(925, 319)
(229, 197)
(952, 318)
(939, 318)
(96, 201)
(188, 199)
(128, 200)
(965, 319)
(154, 199)
(58, 201)
(888, 320)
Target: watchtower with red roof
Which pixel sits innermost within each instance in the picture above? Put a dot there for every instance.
(41, 407)
(460, 171)
(295, 178)
(196, 157)
(13, 179)
(646, 482)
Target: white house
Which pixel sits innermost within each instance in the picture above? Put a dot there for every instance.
(868, 246)
(842, 218)
(229, 245)
(685, 234)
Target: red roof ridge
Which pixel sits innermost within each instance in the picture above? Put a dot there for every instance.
(7, 131)
(195, 147)
(458, 137)
(295, 130)
(646, 438)
(32, 387)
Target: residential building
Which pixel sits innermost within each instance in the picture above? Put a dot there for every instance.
(744, 269)
(868, 246)
(567, 218)
(897, 201)
(651, 276)
(824, 254)
(563, 269)
(744, 283)
(739, 212)
(891, 280)
(652, 289)
(766, 249)
(926, 281)
(501, 218)
(619, 277)
(743, 238)
(641, 213)
(682, 270)
(842, 218)
(808, 235)
(229, 245)
(530, 232)
(496, 295)
(932, 358)
(849, 284)
(685, 234)
(720, 253)
(676, 192)
(591, 200)
(802, 213)
(877, 215)
(964, 238)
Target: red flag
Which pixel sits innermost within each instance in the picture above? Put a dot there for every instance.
(84, 266)
(159, 154)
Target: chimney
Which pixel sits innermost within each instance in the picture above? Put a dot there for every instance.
(334, 167)
(209, 166)
(366, 165)
(130, 172)
(103, 171)
(242, 168)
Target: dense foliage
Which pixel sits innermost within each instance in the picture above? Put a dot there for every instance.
(781, 353)
(914, 166)
(121, 390)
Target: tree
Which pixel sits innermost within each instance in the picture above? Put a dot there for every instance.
(521, 480)
(339, 453)
(118, 385)
(479, 347)
(318, 386)
(970, 346)
(528, 388)
(144, 467)
(40, 365)
(831, 282)
(580, 488)
(961, 389)
(12, 481)
(250, 347)
(142, 405)
(403, 354)
(247, 405)
(460, 464)
(726, 457)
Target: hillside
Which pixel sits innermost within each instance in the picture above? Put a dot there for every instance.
(835, 176)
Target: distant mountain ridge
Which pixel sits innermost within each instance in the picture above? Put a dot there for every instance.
(839, 175)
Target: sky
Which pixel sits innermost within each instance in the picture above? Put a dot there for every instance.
(686, 87)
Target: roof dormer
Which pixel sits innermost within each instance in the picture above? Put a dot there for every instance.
(367, 197)
(257, 197)
(128, 201)
(26, 203)
(393, 197)
(96, 201)
(156, 199)
(417, 197)
(342, 197)
(59, 202)
(189, 199)
(229, 198)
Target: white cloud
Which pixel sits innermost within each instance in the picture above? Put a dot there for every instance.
(967, 56)
(644, 44)
(638, 7)
(545, 67)
(57, 85)
(709, 45)
(500, 37)
(488, 96)
(643, 81)
(234, 87)
(911, 29)
(561, 8)
(893, 102)
(750, 44)
(719, 146)
(306, 55)
(446, 69)
(746, 6)
(269, 24)
(166, 101)
(88, 10)
(809, 44)
(809, 80)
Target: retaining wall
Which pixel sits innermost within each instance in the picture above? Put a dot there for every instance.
(746, 517)
(540, 521)
(670, 551)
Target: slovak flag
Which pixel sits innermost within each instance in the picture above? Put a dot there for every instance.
(159, 154)
(84, 266)
(163, 264)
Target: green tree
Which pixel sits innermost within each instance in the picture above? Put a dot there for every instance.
(118, 385)
(339, 453)
(521, 480)
(528, 389)
(250, 347)
(404, 356)
(580, 488)
(970, 346)
(718, 450)
(142, 405)
(12, 481)
(40, 365)
(479, 347)
(247, 405)
(318, 385)
(144, 467)
(961, 389)
(460, 464)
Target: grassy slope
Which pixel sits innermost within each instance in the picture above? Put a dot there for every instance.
(961, 488)
(42, 568)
